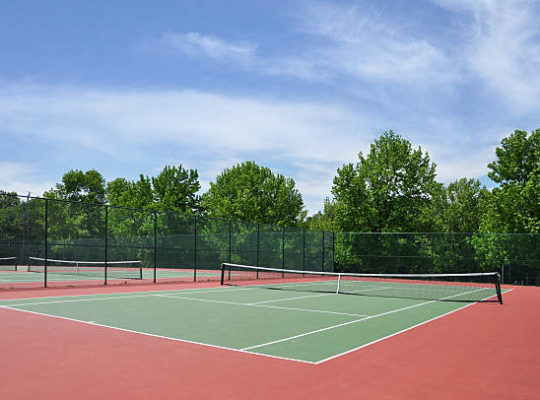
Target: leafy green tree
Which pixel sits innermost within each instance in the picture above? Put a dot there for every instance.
(459, 206)
(10, 216)
(518, 158)
(253, 193)
(515, 205)
(77, 185)
(175, 189)
(323, 221)
(386, 191)
(134, 194)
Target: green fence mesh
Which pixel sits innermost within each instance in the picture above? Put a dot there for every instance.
(167, 241)
(515, 256)
(162, 241)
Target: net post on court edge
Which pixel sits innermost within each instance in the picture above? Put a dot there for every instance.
(222, 274)
(498, 287)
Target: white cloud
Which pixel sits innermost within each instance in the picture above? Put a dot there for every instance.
(211, 131)
(503, 48)
(307, 141)
(22, 178)
(197, 45)
(362, 46)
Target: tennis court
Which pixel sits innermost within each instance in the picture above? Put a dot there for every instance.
(294, 323)
(147, 275)
(264, 340)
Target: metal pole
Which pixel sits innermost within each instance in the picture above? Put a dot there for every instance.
(195, 251)
(46, 241)
(283, 248)
(258, 239)
(106, 240)
(230, 240)
(155, 246)
(333, 251)
(303, 249)
(323, 254)
(258, 234)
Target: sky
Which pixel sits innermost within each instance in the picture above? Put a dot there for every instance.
(299, 86)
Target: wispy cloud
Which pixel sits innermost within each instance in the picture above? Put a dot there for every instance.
(241, 54)
(199, 45)
(210, 132)
(22, 178)
(360, 44)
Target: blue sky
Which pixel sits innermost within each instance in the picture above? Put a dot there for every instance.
(127, 87)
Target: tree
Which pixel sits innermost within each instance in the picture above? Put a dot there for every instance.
(323, 221)
(253, 193)
(77, 185)
(134, 194)
(517, 158)
(459, 206)
(386, 191)
(515, 205)
(175, 189)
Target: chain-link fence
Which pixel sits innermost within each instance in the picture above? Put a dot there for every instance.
(515, 256)
(74, 242)
(60, 238)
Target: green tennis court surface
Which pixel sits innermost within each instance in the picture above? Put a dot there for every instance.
(6, 276)
(301, 326)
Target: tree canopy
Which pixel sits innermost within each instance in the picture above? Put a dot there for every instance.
(253, 193)
(515, 205)
(387, 190)
(77, 185)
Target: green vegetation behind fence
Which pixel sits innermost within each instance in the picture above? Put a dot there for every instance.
(58, 229)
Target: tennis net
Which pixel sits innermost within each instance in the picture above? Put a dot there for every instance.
(470, 287)
(114, 269)
(8, 263)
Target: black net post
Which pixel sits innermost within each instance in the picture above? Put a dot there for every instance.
(498, 287)
(195, 249)
(323, 254)
(333, 251)
(258, 243)
(155, 246)
(283, 248)
(106, 242)
(45, 265)
(303, 249)
(230, 240)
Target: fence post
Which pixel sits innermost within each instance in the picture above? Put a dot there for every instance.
(155, 246)
(258, 234)
(230, 240)
(283, 248)
(106, 240)
(45, 266)
(303, 249)
(333, 251)
(195, 250)
(323, 253)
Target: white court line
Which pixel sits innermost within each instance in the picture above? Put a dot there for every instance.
(126, 295)
(352, 322)
(404, 330)
(158, 336)
(260, 306)
(316, 295)
(211, 345)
